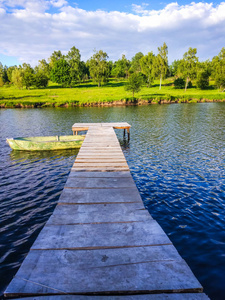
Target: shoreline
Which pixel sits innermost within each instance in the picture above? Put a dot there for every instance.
(124, 102)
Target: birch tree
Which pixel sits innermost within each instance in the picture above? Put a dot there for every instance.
(188, 65)
(148, 65)
(99, 67)
(162, 62)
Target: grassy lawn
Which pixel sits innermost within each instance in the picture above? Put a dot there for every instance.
(88, 93)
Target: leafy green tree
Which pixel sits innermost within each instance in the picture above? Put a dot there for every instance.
(202, 81)
(99, 67)
(60, 73)
(135, 63)
(134, 83)
(73, 58)
(41, 79)
(17, 77)
(84, 75)
(188, 65)
(148, 67)
(218, 66)
(1, 69)
(9, 72)
(5, 75)
(28, 76)
(173, 68)
(1, 74)
(43, 67)
(179, 83)
(162, 63)
(121, 67)
(56, 55)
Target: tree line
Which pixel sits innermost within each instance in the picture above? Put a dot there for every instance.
(68, 70)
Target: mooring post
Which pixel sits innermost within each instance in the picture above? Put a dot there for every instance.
(128, 133)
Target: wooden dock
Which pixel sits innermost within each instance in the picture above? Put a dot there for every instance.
(100, 242)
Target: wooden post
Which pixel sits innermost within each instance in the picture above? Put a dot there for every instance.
(128, 134)
(124, 133)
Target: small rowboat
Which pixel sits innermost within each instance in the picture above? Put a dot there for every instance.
(46, 142)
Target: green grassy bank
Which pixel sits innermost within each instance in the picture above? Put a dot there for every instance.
(113, 93)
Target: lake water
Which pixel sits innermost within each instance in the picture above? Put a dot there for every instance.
(175, 154)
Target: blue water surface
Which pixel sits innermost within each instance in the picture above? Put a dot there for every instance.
(175, 154)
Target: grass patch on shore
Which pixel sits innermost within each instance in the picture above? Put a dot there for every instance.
(90, 94)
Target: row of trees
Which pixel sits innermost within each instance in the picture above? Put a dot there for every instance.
(69, 69)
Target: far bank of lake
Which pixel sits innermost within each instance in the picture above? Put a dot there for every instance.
(110, 94)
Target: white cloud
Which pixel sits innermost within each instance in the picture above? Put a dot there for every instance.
(32, 32)
(58, 3)
(140, 9)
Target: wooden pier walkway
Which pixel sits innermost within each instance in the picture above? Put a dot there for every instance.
(100, 242)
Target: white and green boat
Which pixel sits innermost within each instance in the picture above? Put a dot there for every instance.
(46, 143)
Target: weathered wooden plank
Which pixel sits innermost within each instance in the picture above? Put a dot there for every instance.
(107, 154)
(101, 152)
(101, 160)
(103, 124)
(103, 157)
(100, 195)
(106, 235)
(100, 174)
(95, 182)
(96, 148)
(99, 213)
(147, 269)
(100, 164)
(103, 169)
(102, 147)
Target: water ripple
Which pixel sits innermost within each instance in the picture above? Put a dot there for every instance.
(176, 156)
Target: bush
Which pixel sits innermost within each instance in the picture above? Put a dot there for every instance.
(202, 81)
(41, 80)
(134, 83)
(179, 83)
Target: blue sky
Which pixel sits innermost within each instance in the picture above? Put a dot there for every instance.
(33, 29)
(123, 5)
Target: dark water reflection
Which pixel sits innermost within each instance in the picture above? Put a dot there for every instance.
(176, 156)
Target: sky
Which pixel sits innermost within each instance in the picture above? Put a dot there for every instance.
(32, 29)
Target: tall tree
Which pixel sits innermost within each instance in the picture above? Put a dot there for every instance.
(173, 68)
(28, 76)
(17, 77)
(188, 65)
(1, 74)
(43, 67)
(9, 72)
(73, 58)
(135, 63)
(56, 55)
(60, 72)
(5, 75)
(162, 62)
(148, 67)
(99, 68)
(218, 64)
(121, 67)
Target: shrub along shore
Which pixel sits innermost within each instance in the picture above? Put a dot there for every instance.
(111, 94)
